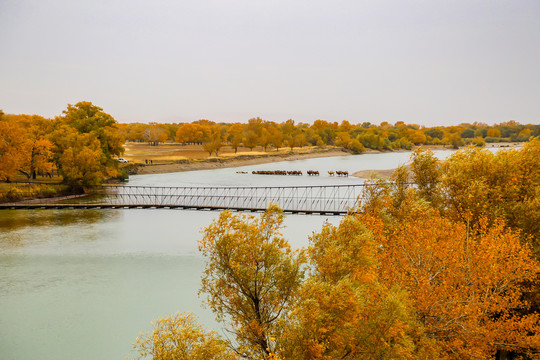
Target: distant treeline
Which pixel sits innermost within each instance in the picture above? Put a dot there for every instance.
(354, 137)
(81, 145)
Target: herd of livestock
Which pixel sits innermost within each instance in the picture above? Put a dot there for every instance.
(295, 172)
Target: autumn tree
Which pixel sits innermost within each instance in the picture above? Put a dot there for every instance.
(300, 139)
(250, 139)
(213, 142)
(426, 175)
(78, 157)
(255, 125)
(481, 184)
(86, 140)
(288, 128)
(37, 149)
(344, 312)
(134, 132)
(155, 133)
(276, 137)
(234, 135)
(466, 282)
(11, 149)
(180, 337)
(265, 138)
(192, 133)
(87, 118)
(38, 158)
(251, 278)
(493, 132)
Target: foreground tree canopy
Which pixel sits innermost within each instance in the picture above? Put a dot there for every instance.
(442, 270)
(81, 145)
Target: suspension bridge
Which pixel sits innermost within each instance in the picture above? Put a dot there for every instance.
(327, 199)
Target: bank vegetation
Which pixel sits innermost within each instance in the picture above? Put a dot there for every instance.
(445, 269)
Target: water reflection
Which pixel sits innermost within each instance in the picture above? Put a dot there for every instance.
(47, 231)
(16, 219)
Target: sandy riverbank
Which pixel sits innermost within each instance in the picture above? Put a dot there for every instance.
(184, 161)
(230, 162)
(366, 174)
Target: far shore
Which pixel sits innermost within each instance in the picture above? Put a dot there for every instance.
(217, 163)
(229, 160)
(232, 162)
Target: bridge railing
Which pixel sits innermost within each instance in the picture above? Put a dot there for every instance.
(329, 198)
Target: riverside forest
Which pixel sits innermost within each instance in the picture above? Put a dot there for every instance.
(441, 261)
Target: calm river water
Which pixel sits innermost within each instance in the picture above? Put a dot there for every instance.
(82, 284)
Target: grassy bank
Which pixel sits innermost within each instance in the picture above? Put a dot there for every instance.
(19, 191)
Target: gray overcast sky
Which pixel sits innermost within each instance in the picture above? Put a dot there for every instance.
(427, 62)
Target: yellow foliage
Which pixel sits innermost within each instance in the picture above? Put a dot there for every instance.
(179, 337)
(251, 277)
(466, 284)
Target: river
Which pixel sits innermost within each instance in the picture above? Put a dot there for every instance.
(82, 284)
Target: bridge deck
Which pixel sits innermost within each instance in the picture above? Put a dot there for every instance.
(30, 206)
(307, 199)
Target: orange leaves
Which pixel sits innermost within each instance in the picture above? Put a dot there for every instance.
(467, 273)
(191, 133)
(465, 284)
(24, 147)
(344, 251)
(343, 310)
(81, 144)
(11, 149)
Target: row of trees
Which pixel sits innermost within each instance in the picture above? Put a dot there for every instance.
(447, 269)
(81, 145)
(355, 138)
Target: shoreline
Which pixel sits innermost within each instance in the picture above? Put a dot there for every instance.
(267, 158)
(238, 161)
